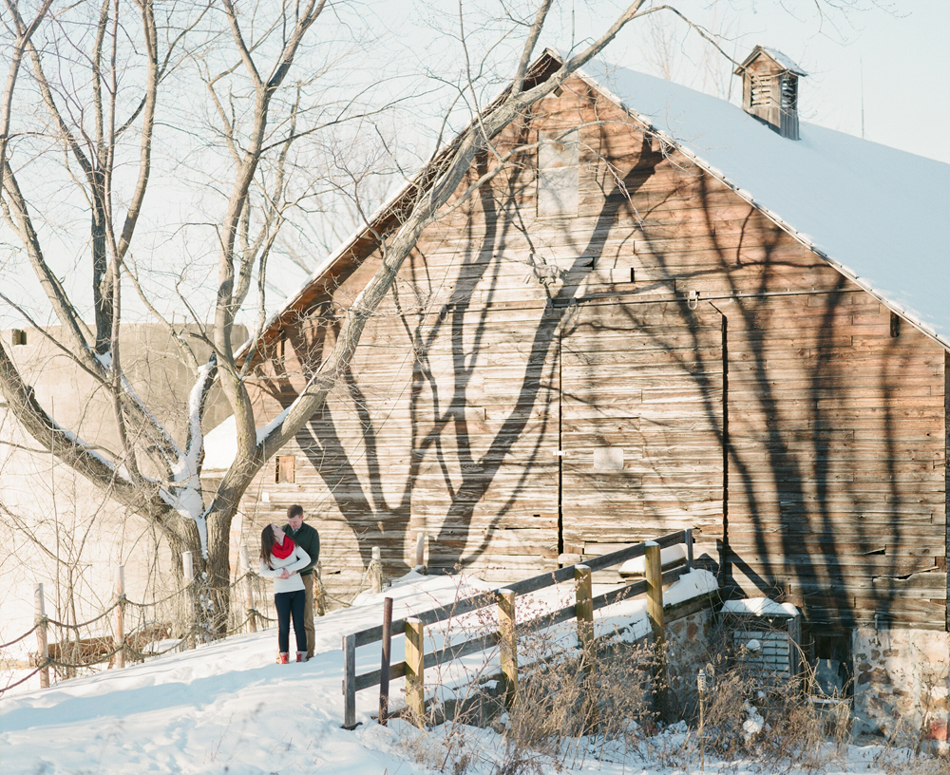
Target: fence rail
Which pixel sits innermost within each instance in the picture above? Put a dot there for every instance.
(112, 641)
(250, 608)
(582, 609)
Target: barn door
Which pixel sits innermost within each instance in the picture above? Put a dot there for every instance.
(641, 422)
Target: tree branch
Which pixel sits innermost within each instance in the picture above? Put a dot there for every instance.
(68, 448)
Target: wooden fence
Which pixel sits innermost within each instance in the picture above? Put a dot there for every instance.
(583, 610)
(111, 644)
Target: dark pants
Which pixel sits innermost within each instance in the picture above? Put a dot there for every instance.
(288, 603)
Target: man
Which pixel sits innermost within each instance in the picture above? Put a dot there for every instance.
(308, 539)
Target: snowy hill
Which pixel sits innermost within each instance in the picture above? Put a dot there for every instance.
(227, 707)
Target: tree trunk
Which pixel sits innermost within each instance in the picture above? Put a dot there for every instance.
(101, 279)
(218, 572)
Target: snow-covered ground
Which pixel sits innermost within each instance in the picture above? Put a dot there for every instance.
(228, 708)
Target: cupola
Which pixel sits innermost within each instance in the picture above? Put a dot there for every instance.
(770, 89)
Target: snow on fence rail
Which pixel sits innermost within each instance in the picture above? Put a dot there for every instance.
(585, 604)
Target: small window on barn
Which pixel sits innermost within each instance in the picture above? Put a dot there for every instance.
(895, 325)
(18, 337)
(285, 471)
(558, 175)
(832, 661)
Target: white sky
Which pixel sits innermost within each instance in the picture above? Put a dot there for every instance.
(898, 45)
(903, 54)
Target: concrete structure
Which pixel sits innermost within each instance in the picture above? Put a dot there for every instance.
(62, 530)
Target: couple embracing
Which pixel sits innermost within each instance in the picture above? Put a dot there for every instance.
(288, 556)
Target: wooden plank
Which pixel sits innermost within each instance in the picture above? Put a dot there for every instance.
(415, 670)
(522, 587)
(349, 681)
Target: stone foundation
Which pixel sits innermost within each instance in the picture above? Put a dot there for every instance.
(688, 629)
(901, 683)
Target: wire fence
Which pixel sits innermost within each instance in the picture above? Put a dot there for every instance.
(136, 631)
(181, 620)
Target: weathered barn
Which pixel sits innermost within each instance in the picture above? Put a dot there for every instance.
(667, 314)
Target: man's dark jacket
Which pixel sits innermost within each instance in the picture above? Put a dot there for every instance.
(308, 539)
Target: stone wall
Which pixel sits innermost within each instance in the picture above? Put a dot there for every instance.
(901, 676)
(688, 628)
(902, 683)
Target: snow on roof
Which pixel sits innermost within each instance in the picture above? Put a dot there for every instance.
(782, 60)
(876, 213)
(220, 446)
(221, 442)
(759, 606)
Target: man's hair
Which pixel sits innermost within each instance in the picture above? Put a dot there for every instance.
(294, 511)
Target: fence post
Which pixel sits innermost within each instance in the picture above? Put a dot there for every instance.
(248, 590)
(319, 593)
(120, 616)
(508, 643)
(188, 566)
(385, 660)
(654, 579)
(349, 681)
(421, 553)
(689, 548)
(584, 613)
(415, 664)
(583, 606)
(42, 639)
(376, 571)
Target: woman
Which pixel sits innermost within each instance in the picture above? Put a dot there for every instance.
(281, 559)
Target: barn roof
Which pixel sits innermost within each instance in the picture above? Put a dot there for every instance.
(877, 214)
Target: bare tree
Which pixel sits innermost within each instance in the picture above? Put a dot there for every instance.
(92, 94)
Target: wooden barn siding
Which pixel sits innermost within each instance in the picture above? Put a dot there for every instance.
(464, 385)
(836, 485)
(645, 379)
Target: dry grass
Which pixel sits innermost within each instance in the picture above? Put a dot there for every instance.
(615, 703)
(570, 705)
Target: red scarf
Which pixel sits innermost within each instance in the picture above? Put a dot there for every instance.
(284, 550)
